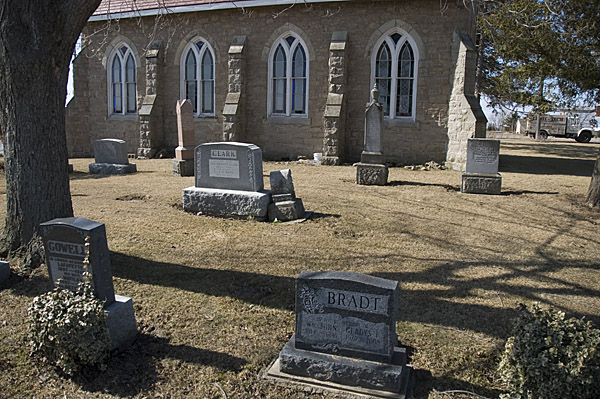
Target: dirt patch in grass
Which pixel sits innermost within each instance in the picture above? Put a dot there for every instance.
(214, 298)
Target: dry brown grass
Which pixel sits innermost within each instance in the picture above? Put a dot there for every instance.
(214, 298)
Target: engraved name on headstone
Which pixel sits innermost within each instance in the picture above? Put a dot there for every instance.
(64, 244)
(229, 166)
(483, 156)
(346, 314)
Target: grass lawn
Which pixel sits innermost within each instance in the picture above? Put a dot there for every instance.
(214, 298)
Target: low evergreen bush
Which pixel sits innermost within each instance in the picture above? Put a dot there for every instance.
(549, 356)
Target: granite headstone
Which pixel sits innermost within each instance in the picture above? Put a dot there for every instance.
(111, 158)
(285, 206)
(481, 171)
(228, 181)
(65, 247)
(64, 244)
(346, 336)
(371, 170)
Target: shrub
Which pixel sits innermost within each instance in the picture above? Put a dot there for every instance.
(549, 356)
(69, 329)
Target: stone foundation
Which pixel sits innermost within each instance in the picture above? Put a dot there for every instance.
(227, 203)
(183, 167)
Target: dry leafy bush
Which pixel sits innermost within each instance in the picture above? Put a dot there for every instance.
(549, 356)
(69, 329)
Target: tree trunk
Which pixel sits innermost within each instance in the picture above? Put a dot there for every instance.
(37, 39)
(593, 195)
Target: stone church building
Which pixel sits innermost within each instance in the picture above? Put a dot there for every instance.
(292, 77)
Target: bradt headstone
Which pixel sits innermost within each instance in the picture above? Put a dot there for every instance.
(65, 247)
(346, 334)
(481, 171)
(183, 164)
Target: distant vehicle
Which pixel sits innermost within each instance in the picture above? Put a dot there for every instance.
(568, 126)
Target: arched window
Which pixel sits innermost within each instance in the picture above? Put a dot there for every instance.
(394, 71)
(123, 93)
(288, 77)
(198, 77)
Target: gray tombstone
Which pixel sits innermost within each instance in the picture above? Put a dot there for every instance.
(228, 181)
(65, 247)
(346, 334)
(481, 171)
(483, 156)
(111, 158)
(229, 165)
(285, 206)
(64, 244)
(4, 271)
(371, 170)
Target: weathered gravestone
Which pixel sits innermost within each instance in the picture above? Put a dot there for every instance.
(4, 271)
(183, 163)
(228, 181)
(371, 169)
(66, 249)
(481, 172)
(285, 205)
(111, 158)
(345, 336)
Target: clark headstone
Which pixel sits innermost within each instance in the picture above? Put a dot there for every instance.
(65, 246)
(481, 171)
(111, 158)
(228, 181)
(346, 335)
(183, 163)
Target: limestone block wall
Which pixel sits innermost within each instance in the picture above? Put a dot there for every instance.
(77, 120)
(364, 21)
(466, 118)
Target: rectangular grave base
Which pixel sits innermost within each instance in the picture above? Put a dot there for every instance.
(182, 167)
(390, 380)
(121, 322)
(481, 183)
(111, 168)
(285, 211)
(371, 174)
(227, 203)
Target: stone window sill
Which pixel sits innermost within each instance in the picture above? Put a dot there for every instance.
(400, 122)
(288, 120)
(121, 117)
(205, 118)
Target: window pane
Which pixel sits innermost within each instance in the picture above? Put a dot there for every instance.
(207, 66)
(404, 98)
(279, 63)
(406, 62)
(117, 98)
(131, 98)
(130, 69)
(299, 96)
(279, 95)
(384, 86)
(207, 97)
(299, 63)
(383, 64)
(190, 66)
(191, 93)
(116, 70)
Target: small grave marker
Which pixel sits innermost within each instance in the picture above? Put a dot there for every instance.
(111, 158)
(371, 169)
(183, 163)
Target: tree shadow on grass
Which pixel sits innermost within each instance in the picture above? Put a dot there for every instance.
(546, 166)
(255, 288)
(565, 150)
(133, 369)
(447, 187)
